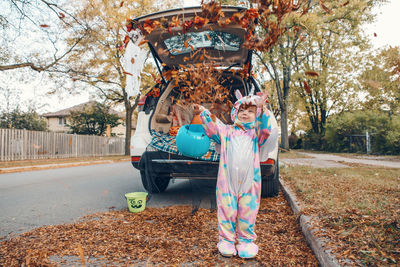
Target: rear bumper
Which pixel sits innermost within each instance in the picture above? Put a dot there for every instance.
(177, 166)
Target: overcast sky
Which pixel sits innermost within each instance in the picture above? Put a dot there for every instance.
(388, 18)
(385, 29)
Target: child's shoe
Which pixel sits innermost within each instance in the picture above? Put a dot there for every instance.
(226, 248)
(247, 250)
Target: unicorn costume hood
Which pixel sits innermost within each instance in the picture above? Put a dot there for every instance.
(247, 100)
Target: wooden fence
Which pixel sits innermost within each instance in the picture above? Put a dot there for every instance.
(22, 144)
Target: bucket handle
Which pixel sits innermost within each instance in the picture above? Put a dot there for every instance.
(148, 197)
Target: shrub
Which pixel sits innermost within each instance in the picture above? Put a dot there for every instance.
(313, 141)
(18, 119)
(384, 131)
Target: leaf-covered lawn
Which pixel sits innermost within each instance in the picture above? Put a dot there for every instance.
(167, 236)
(358, 208)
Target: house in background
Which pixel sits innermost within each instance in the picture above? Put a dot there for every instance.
(56, 121)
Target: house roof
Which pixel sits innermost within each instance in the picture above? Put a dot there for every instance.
(66, 112)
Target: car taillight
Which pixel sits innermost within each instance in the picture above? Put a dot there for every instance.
(142, 100)
(135, 159)
(268, 161)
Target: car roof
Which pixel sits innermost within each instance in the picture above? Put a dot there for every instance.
(183, 11)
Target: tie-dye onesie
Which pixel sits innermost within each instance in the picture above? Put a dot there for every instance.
(239, 176)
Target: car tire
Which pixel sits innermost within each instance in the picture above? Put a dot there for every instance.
(270, 184)
(154, 183)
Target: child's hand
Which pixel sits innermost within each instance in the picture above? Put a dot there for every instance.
(197, 109)
(263, 96)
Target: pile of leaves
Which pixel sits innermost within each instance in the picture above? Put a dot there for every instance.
(357, 210)
(167, 236)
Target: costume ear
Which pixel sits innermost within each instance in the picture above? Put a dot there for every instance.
(238, 94)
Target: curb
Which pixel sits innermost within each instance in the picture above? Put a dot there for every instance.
(53, 166)
(324, 257)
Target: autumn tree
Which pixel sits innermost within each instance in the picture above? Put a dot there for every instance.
(299, 46)
(326, 65)
(96, 59)
(381, 81)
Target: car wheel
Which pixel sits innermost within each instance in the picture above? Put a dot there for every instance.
(270, 184)
(154, 183)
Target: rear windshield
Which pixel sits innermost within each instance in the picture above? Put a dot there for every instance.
(186, 43)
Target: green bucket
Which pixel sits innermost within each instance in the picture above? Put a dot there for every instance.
(136, 201)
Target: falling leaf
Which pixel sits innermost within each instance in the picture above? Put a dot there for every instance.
(44, 25)
(36, 146)
(311, 73)
(144, 41)
(374, 84)
(162, 52)
(61, 15)
(213, 118)
(344, 4)
(307, 87)
(375, 35)
(186, 43)
(81, 254)
(121, 4)
(324, 7)
(132, 60)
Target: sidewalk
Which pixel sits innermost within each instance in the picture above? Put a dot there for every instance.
(320, 160)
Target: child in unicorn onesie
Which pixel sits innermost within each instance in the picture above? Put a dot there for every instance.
(239, 176)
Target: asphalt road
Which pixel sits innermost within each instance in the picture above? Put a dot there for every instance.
(32, 199)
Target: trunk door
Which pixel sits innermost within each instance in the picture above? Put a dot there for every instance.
(221, 45)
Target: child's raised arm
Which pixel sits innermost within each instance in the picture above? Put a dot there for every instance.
(263, 122)
(211, 124)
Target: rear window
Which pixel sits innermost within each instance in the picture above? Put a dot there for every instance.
(185, 43)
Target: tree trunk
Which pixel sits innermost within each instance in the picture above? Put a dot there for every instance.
(128, 117)
(128, 129)
(284, 129)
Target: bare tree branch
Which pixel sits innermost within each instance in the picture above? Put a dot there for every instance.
(38, 67)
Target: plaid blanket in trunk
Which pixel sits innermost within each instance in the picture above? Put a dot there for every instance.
(167, 143)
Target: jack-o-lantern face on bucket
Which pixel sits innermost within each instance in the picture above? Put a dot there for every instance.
(135, 204)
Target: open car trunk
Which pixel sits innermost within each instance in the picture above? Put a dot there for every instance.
(220, 43)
